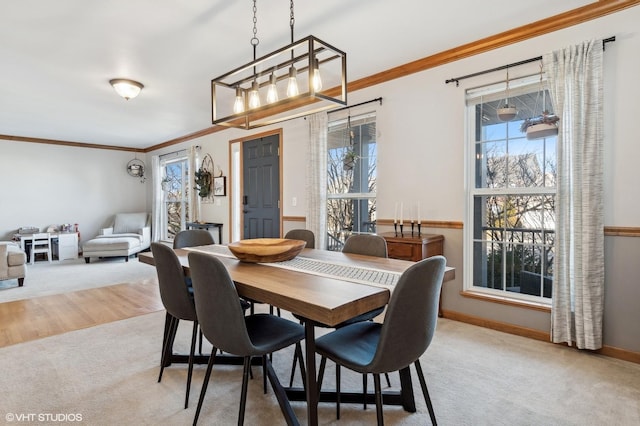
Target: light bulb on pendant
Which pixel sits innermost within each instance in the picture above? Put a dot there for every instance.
(254, 96)
(272, 93)
(238, 105)
(292, 86)
(316, 78)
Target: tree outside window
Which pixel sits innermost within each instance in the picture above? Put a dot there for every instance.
(512, 196)
(175, 188)
(351, 179)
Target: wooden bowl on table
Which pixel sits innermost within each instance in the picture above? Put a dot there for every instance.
(266, 250)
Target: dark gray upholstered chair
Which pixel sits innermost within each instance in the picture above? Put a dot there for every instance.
(216, 297)
(193, 238)
(304, 235)
(367, 244)
(178, 302)
(405, 334)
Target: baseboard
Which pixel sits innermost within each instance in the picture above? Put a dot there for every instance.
(610, 351)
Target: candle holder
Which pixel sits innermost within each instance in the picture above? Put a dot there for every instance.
(412, 224)
(418, 230)
(395, 228)
(401, 234)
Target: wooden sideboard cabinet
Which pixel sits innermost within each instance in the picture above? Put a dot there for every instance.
(414, 248)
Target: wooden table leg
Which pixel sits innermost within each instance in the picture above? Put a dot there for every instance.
(312, 384)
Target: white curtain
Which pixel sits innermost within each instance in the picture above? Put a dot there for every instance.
(194, 200)
(316, 184)
(575, 82)
(156, 206)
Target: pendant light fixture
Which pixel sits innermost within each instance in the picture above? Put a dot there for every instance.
(544, 125)
(507, 112)
(310, 72)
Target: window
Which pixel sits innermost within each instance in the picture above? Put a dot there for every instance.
(175, 193)
(351, 180)
(511, 195)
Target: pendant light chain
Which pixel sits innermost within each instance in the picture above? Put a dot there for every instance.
(254, 40)
(292, 20)
(260, 86)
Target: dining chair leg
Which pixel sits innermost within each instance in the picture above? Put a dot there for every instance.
(207, 375)
(293, 367)
(364, 387)
(167, 326)
(364, 390)
(338, 391)
(194, 336)
(245, 384)
(303, 371)
(297, 355)
(323, 363)
(425, 392)
(168, 342)
(264, 373)
(376, 384)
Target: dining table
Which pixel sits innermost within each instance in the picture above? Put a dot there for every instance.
(325, 288)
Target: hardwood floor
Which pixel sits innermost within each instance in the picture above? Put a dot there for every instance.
(39, 317)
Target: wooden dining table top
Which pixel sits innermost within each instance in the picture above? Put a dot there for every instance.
(322, 299)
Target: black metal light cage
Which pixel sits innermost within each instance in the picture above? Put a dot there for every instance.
(331, 62)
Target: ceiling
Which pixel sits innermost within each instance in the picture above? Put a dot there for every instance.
(57, 57)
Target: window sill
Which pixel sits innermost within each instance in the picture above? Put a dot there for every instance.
(525, 304)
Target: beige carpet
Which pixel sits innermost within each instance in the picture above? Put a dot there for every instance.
(108, 375)
(44, 278)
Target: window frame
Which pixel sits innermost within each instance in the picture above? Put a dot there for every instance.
(361, 119)
(476, 96)
(165, 160)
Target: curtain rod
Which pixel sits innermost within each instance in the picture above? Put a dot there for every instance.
(515, 64)
(356, 105)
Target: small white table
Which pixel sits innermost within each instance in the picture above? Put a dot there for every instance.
(67, 243)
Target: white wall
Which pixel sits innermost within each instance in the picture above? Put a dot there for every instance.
(421, 126)
(421, 137)
(421, 144)
(45, 185)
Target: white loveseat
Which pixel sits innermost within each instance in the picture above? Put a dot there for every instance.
(129, 234)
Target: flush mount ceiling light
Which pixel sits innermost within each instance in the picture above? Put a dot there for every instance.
(299, 79)
(126, 88)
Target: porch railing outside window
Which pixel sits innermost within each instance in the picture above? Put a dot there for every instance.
(512, 193)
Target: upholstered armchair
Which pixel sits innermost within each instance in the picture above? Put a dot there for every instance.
(128, 234)
(12, 262)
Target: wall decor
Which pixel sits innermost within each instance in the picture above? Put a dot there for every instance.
(220, 186)
(203, 178)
